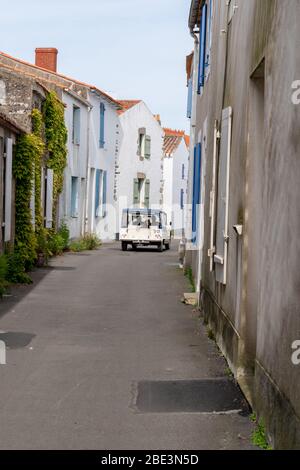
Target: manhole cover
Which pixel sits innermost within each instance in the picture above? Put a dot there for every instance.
(190, 396)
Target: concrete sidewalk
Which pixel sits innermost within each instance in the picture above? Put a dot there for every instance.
(93, 327)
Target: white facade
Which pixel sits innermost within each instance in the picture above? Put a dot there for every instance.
(175, 173)
(100, 212)
(140, 160)
(72, 199)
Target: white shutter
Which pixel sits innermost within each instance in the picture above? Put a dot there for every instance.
(222, 238)
(8, 189)
(32, 204)
(49, 198)
(212, 208)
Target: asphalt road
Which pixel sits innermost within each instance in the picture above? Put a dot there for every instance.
(81, 339)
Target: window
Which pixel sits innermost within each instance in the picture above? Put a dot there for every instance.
(220, 258)
(141, 142)
(74, 196)
(102, 125)
(141, 192)
(100, 193)
(181, 199)
(76, 126)
(182, 172)
(202, 48)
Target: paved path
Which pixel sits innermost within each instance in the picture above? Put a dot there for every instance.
(90, 328)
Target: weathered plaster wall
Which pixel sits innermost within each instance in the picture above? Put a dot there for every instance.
(278, 307)
(256, 315)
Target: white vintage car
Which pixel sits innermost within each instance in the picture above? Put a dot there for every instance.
(145, 227)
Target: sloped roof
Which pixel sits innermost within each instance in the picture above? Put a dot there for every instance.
(55, 74)
(172, 140)
(189, 63)
(195, 13)
(127, 104)
(187, 140)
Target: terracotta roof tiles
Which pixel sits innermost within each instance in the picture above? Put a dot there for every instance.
(127, 104)
(172, 140)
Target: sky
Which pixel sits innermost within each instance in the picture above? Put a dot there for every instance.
(132, 49)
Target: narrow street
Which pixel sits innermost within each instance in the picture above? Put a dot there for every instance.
(80, 340)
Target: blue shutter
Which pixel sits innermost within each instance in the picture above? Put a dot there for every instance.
(104, 192)
(74, 196)
(190, 98)
(196, 190)
(181, 199)
(97, 192)
(201, 74)
(182, 171)
(102, 120)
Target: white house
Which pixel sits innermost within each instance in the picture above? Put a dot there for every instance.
(72, 199)
(138, 180)
(175, 176)
(103, 128)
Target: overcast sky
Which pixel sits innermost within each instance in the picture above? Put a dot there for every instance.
(133, 49)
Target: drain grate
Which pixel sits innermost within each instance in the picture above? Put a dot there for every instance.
(190, 396)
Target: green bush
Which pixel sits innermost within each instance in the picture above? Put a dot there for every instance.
(56, 244)
(16, 271)
(3, 273)
(91, 241)
(64, 232)
(77, 245)
(88, 242)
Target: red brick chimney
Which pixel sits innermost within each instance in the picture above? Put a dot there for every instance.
(46, 57)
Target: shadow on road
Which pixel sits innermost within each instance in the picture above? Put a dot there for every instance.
(17, 292)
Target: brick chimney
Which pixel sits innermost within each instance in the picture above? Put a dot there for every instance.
(46, 57)
(157, 117)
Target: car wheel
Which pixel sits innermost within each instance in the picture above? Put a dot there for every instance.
(134, 247)
(124, 246)
(167, 245)
(160, 247)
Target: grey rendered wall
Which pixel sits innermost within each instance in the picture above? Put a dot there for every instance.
(256, 315)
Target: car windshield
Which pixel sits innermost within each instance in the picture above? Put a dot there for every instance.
(140, 219)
